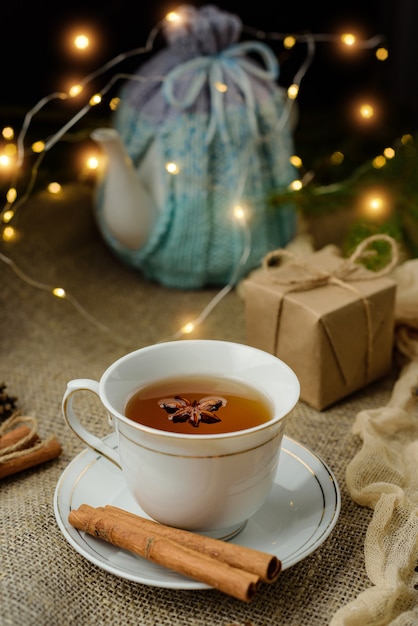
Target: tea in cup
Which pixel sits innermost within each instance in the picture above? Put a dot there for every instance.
(199, 426)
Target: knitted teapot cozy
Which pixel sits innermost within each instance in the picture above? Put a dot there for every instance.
(206, 105)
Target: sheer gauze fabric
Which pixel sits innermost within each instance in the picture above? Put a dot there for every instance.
(384, 477)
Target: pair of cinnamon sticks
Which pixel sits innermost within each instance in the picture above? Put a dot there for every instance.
(21, 447)
(230, 568)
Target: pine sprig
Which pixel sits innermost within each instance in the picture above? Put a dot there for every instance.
(397, 180)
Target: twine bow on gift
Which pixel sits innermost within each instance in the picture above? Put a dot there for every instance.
(20, 446)
(17, 448)
(215, 71)
(349, 270)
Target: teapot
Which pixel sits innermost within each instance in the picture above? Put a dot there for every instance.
(201, 128)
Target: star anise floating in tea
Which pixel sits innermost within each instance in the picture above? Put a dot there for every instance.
(180, 409)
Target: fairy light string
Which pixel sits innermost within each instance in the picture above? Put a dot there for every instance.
(15, 201)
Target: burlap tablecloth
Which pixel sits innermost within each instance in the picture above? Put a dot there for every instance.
(45, 342)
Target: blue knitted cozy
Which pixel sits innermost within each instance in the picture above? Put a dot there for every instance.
(212, 106)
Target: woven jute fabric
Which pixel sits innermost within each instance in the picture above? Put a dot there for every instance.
(45, 342)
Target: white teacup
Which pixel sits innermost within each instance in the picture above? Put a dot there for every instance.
(210, 483)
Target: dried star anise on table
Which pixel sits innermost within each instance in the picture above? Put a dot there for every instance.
(7, 403)
(180, 409)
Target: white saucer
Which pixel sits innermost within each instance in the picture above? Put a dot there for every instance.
(300, 513)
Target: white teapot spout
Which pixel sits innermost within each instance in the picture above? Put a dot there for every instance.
(127, 206)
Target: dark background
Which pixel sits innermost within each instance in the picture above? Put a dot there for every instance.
(35, 60)
(34, 56)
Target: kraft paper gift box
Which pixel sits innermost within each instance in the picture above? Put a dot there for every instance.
(331, 322)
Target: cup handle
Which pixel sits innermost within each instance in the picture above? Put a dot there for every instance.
(92, 441)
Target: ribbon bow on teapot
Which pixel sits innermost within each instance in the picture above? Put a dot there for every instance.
(216, 70)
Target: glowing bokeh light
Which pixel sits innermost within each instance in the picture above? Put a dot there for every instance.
(366, 111)
(289, 41)
(96, 99)
(8, 216)
(382, 54)
(172, 168)
(173, 17)
(379, 162)
(75, 90)
(11, 195)
(92, 162)
(293, 91)
(221, 87)
(54, 188)
(59, 292)
(296, 161)
(38, 147)
(375, 204)
(348, 39)
(405, 139)
(9, 233)
(239, 212)
(81, 42)
(114, 103)
(337, 158)
(8, 133)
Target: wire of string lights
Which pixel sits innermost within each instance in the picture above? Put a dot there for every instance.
(15, 200)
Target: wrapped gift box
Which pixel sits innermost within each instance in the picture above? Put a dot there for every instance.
(335, 333)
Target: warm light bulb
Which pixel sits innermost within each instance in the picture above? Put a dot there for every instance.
(59, 292)
(81, 42)
(405, 139)
(389, 153)
(92, 163)
(221, 87)
(172, 168)
(11, 195)
(9, 233)
(337, 158)
(96, 99)
(366, 111)
(75, 90)
(173, 17)
(293, 91)
(239, 212)
(296, 161)
(289, 41)
(379, 162)
(8, 216)
(348, 39)
(8, 133)
(114, 103)
(4, 160)
(54, 188)
(375, 204)
(38, 147)
(382, 54)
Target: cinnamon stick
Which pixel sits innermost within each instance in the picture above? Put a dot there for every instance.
(19, 434)
(119, 531)
(264, 565)
(25, 459)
